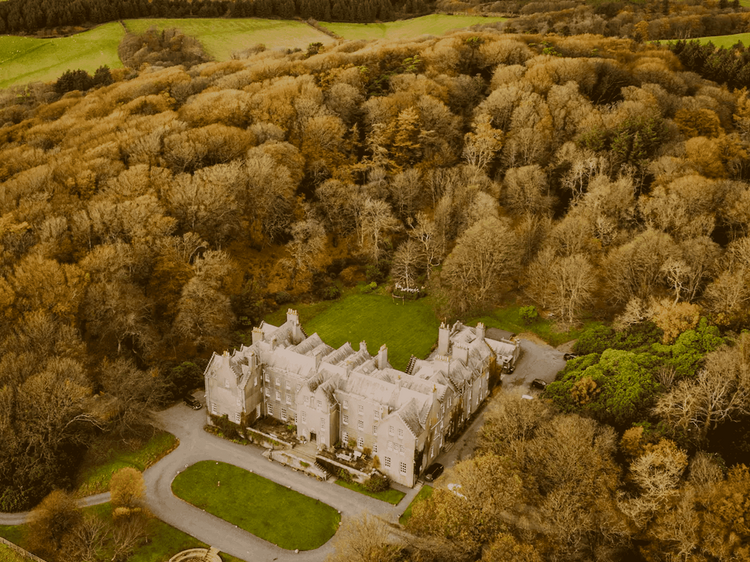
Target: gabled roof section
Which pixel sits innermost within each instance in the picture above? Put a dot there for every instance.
(339, 355)
(288, 360)
(372, 388)
(409, 414)
(308, 345)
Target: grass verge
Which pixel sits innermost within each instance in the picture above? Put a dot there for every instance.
(406, 329)
(391, 496)
(269, 511)
(423, 494)
(221, 37)
(29, 59)
(435, 24)
(107, 457)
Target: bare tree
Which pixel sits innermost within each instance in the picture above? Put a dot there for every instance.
(365, 539)
(308, 240)
(375, 222)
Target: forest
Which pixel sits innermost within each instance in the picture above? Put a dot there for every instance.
(158, 213)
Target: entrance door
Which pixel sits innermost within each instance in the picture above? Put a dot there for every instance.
(312, 436)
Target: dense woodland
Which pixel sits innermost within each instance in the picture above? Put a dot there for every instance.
(158, 215)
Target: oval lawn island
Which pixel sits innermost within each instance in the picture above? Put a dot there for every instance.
(267, 510)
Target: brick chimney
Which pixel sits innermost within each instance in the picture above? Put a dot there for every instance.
(480, 331)
(383, 357)
(444, 339)
(363, 345)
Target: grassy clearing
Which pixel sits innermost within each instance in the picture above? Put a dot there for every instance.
(269, 511)
(220, 37)
(107, 457)
(391, 496)
(9, 555)
(423, 494)
(13, 533)
(509, 318)
(434, 24)
(728, 40)
(27, 59)
(406, 329)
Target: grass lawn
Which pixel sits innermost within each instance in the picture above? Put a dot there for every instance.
(13, 533)
(8, 555)
(406, 329)
(435, 24)
(220, 37)
(107, 457)
(728, 40)
(390, 496)
(423, 494)
(269, 511)
(27, 59)
(509, 318)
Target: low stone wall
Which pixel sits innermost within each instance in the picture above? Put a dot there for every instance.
(287, 458)
(265, 439)
(20, 551)
(197, 555)
(334, 467)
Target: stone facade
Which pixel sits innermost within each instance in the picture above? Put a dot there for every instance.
(349, 396)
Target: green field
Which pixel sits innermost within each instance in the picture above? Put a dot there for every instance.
(407, 329)
(6, 553)
(26, 59)
(269, 511)
(107, 457)
(434, 24)
(390, 496)
(728, 40)
(220, 37)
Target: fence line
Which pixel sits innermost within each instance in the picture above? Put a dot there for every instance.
(21, 551)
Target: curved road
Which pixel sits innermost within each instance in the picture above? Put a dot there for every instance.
(537, 361)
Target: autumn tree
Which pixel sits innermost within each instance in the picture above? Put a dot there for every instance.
(49, 524)
(365, 539)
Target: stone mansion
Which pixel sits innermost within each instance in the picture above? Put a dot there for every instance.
(349, 396)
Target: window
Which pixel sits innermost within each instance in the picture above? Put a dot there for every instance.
(268, 392)
(278, 381)
(390, 430)
(288, 397)
(346, 419)
(268, 378)
(213, 408)
(270, 409)
(375, 449)
(450, 401)
(256, 381)
(374, 429)
(390, 445)
(346, 404)
(377, 415)
(322, 423)
(239, 402)
(288, 388)
(320, 404)
(361, 409)
(403, 468)
(401, 448)
(312, 401)
(283, 414)
(400, 433)
(226, 383)
(387, 462)
(278, 395)
(360, 425)
(432, 451)
(345, 439)
(304, 417)
(237, 417)
(361, 442)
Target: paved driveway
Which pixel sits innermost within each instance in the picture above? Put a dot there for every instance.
(196, 445)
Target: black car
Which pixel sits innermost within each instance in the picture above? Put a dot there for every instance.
(569, 356)
(192, 402)
(433, 471)
(539, 383)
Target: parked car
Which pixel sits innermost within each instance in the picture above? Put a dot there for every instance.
(569, 356)
(192, 402)
(433, 471)
(539, 383)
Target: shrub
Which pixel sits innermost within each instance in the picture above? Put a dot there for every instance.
(377, 483)
(528, 314)
(346, 476)
(228, 428)
(331, 293)
(304, 464)
(351, 275)
(282, 297)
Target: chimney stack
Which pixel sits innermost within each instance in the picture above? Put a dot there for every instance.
(363, 345)
(383, 357)
(480, 331)
(257, 335)
(444, 339)
(461, 352)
